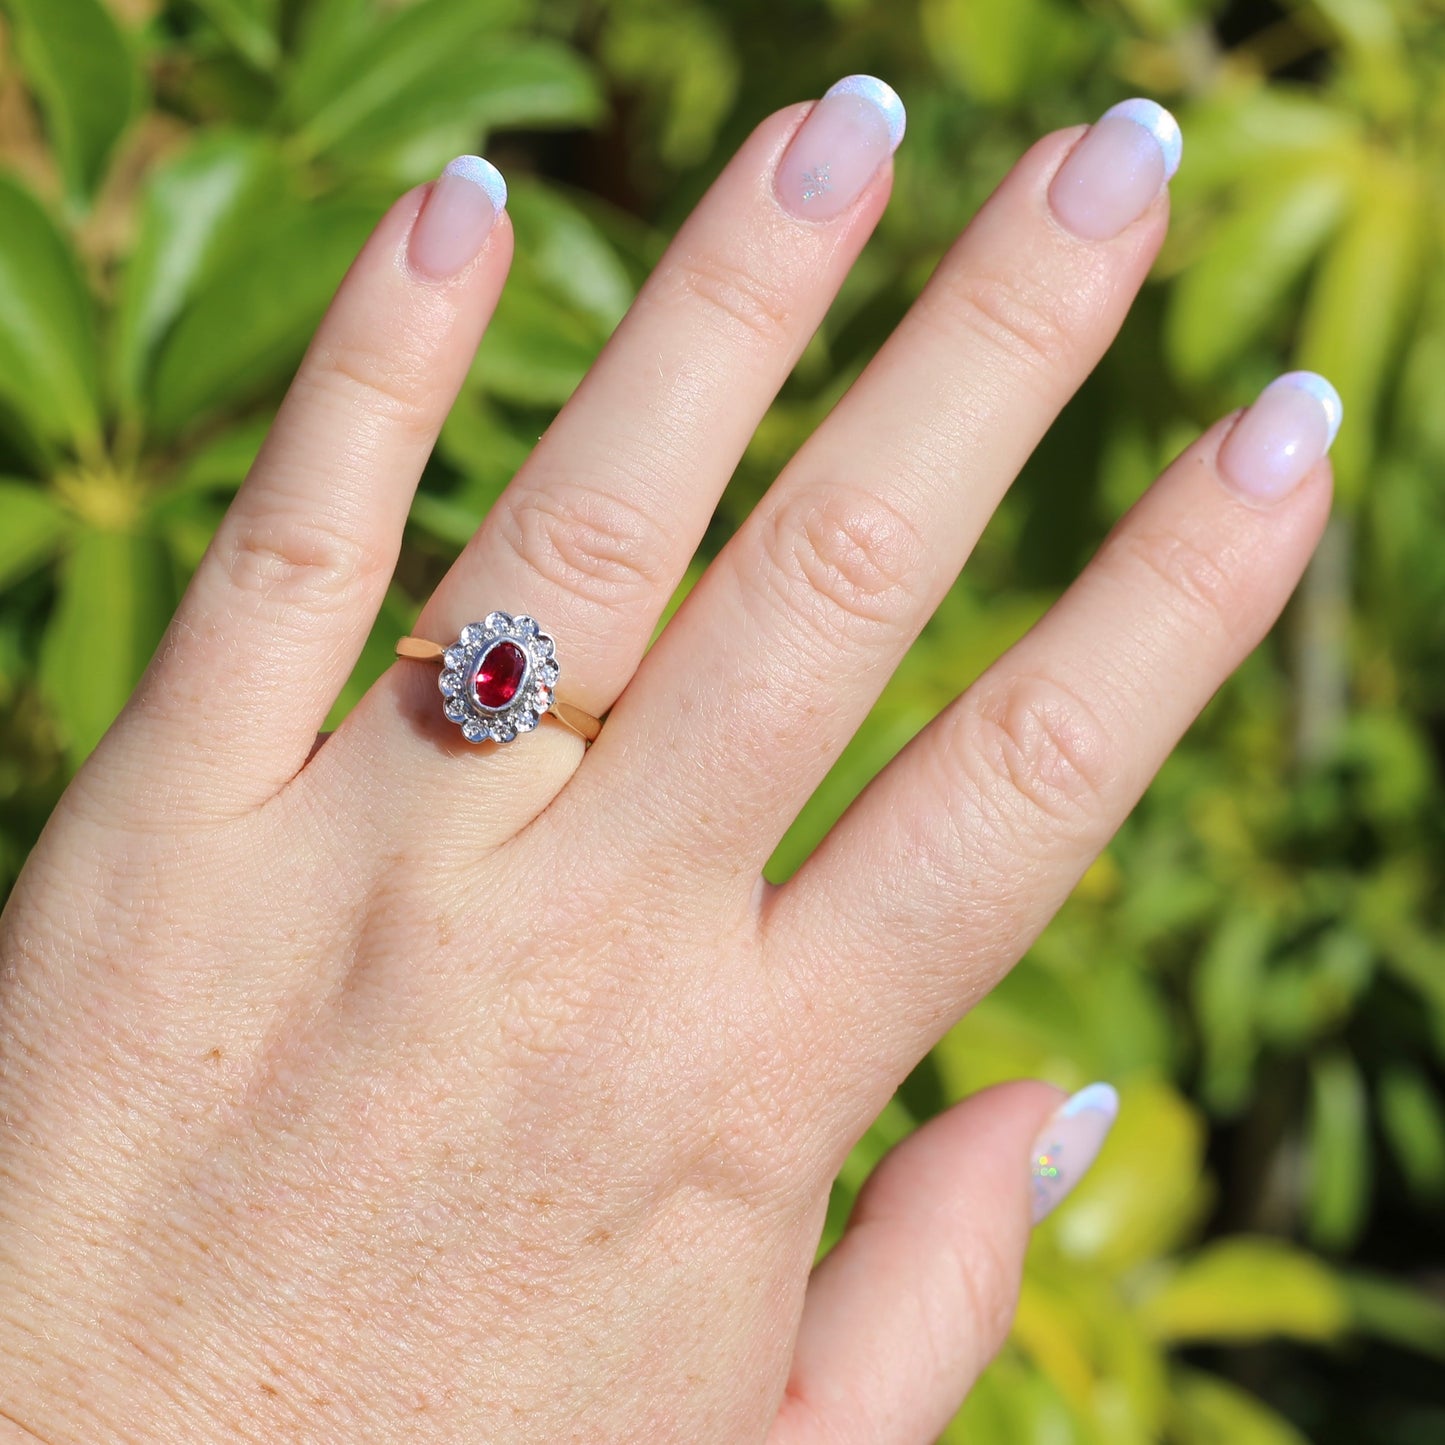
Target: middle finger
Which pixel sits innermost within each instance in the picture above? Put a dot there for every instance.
(779, 652)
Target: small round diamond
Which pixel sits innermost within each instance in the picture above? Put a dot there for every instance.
(454, 657)
(524, 626)
(497, 622)
(548, 672)
(450, 684)
(473, 731)
(526, 721)
(471, 633)
(455, 709)
(503, 732)
(543, 645)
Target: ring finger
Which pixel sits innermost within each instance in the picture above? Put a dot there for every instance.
(596, 529)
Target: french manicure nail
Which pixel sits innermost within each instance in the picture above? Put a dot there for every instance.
(1069, 1142)
(457, 217)
(1116, 170)
(849, 133)
(1272, 447)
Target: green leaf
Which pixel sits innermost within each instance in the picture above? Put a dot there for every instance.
(86, 77)
(1339, 1151)
(505, 82)
(1359, 305)
(249, 325)
(998, 52)
(536, 349)
(1226, 981)
(1209, 1411)
(1413, 1120)
(34, 525)
(1393, 1311)
(197, 208)
(249, 26)
(362, 62)
(1243, 1289)
(47, 326)
(1230, 296)
(568, 254)
(115, 597)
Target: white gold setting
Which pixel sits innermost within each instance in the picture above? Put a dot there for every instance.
(535, 690)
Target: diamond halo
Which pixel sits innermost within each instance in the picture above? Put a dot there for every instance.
(498, 703)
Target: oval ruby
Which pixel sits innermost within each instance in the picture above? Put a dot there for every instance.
(499, 674)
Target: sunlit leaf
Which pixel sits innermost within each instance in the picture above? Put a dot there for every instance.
(115, 599)
(250, 323)
(1359, 306)
(197, 208)
(996, 51)
(1237, 289)
(1247, 1289)
(87, 78)
(1146, 1190)
(47, 328)
(363, 63)
(504, 82)
(32, 527)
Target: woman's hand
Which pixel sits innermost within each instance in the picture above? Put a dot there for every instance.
(411, 1090)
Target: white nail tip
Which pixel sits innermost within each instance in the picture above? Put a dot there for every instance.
(1319, 387)
(1159, 123)
(881, 94)
(482, 173)
(1098, 1098)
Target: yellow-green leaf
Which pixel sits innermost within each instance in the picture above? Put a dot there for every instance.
(1366, 290)
(1247, 1289)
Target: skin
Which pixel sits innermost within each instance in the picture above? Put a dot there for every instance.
(400, 1090)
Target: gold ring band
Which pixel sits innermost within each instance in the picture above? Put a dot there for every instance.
(422, 649)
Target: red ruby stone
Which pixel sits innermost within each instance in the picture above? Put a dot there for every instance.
(499, 675)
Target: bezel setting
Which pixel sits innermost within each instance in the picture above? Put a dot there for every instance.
(535, 692)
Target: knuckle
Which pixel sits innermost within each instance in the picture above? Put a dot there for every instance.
(738, 295)
(594, 545)
(1199, 589)
(1035, 754)
(298, 561)
(1015, 316)
(390, 389)
(845, 559)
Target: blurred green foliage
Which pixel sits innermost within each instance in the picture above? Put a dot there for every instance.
(1258, 959)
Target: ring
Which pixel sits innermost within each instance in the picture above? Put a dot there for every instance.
(499, 679)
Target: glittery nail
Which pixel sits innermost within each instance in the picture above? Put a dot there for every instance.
(838, 149)
(1067, 1145)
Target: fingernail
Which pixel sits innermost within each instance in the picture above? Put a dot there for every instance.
(849, 133)
(1069, 1142)
(1117, 169)
(1272, 447)
(458, 216)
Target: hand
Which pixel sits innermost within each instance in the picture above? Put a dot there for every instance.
(411, 1090)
